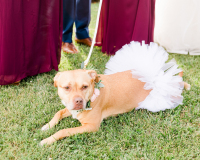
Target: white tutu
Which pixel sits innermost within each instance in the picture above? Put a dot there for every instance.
(148, 64)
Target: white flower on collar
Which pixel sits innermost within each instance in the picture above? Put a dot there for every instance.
(95, 94)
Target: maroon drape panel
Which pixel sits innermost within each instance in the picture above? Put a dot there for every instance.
(30, 38)
(122, 21)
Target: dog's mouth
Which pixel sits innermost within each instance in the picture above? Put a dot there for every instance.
(78, 107)
(76, 104)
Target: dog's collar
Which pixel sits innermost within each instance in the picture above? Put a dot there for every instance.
(96, 93)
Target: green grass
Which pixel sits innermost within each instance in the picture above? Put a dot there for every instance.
(24, 109)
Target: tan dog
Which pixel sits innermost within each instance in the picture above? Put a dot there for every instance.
(121, 93)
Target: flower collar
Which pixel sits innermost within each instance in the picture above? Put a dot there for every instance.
(96, 93)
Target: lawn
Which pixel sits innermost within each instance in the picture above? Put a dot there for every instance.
(172, 134)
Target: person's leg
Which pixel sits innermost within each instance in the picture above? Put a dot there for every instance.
(69, 8)
(69, 14)
(82, 19)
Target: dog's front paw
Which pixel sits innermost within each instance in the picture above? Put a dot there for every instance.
(45, 127)
(47, 141)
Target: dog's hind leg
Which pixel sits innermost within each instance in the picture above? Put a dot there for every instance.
(186, 85)
(58, 116)
(69, 132)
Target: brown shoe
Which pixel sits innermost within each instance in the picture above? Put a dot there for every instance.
(86, 41)
(69, 48)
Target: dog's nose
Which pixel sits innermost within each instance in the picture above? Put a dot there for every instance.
(78, 100)
(78, 103)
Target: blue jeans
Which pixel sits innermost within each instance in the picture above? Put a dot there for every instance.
(77, 11)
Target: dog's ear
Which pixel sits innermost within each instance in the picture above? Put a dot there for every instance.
(56, 79)
(93, 75)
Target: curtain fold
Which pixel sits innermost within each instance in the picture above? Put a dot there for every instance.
(124, 21)
(30, 38)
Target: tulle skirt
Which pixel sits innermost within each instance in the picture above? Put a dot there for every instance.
(148, 64)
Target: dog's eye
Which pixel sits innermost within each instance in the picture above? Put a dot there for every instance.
(67, 88)
(84, 87)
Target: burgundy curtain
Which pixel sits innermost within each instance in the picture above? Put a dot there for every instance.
(30, 38)
(122, 21)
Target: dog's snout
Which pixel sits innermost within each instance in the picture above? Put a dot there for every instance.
(78, 103)
(78, 100)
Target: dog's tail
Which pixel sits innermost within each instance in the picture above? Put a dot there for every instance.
(186, 85)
